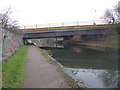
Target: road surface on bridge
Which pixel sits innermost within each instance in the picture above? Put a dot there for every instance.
(41, 72)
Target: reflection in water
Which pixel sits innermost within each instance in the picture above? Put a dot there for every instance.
(86, 58)
(76, 49)
(95, 78)
(110, 78)
(97, 69)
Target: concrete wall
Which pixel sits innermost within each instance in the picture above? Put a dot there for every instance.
(0, 43)
(9, 42)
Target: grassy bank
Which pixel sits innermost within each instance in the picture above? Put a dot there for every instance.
(46, 51)
(112, 43)
(12, 68)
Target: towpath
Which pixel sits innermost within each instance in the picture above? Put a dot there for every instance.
(40, 72)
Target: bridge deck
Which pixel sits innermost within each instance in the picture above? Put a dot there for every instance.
(65, 31)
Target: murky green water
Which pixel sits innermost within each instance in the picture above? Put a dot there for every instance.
(91, 67)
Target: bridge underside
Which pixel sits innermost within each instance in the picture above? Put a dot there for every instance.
(63, 33)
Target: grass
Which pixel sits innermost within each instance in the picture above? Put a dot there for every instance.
(12, 69)
(46, 51)
(113, 43)
(0, 75)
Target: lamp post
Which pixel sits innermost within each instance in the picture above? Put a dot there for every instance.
(77, 23)
(94, 19)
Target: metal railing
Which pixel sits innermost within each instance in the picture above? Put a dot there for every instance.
(78, 23)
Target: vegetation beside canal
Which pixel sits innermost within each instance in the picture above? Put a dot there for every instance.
(12, 68)
(113, 43)
(47, 51)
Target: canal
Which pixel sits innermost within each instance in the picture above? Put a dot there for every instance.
(90, 67)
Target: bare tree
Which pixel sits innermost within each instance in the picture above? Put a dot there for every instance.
(109, 16)
(7, 23)
(111, 34)
(117, 11)
(112, 16)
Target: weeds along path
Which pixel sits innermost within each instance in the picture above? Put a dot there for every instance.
(41, 73)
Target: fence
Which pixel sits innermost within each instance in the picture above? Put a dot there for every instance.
(97, 22)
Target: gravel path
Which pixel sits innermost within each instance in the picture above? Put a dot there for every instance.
(41, 73)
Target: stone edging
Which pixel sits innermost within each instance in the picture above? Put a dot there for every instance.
(63, 69)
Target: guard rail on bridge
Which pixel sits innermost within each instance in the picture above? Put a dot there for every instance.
(56, 26)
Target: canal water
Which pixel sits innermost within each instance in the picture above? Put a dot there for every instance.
(90, 67)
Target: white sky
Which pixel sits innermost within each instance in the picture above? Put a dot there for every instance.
(29, 12)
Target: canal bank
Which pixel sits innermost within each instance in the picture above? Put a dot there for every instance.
(97, 45)
(43, 72)
(96, 68)
(109, 44)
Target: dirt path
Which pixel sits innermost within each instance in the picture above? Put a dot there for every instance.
(40, 73)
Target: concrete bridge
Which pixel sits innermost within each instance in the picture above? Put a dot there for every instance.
(63, 31)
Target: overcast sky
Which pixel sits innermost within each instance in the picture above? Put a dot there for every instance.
(29, 12)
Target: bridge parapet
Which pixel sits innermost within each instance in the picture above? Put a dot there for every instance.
(53, 26)
(64, 28)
